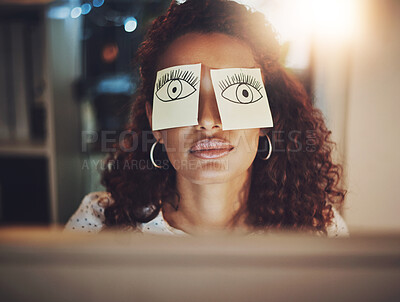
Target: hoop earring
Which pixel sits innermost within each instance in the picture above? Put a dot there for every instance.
(269, 149)
(152, 155)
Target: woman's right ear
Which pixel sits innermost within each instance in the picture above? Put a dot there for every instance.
(149, 113)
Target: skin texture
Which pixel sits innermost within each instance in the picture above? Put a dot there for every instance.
(211, 190)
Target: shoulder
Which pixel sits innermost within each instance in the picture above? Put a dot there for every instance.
(337, 227)
(159, 226)
(89, 217)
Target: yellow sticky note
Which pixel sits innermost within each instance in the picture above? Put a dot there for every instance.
(176, 97)
(241, 98)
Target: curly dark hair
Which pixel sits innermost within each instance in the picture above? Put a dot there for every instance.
(295, 189)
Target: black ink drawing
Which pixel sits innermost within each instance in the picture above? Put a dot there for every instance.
(241, 89)
(176, 85)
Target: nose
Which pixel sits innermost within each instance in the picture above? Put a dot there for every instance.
(209, 118)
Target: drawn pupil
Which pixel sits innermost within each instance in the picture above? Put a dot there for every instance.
(244, 94)
(174, 89)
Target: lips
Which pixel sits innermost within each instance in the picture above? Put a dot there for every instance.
(211, 148)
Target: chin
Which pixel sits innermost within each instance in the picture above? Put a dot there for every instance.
(209, 173)
(209, 179)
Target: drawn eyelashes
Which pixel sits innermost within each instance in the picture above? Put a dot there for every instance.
(176, 85)
(241, 89)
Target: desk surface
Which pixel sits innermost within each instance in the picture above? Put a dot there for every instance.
(43, 265)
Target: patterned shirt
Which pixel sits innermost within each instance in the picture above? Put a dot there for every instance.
(89, 218)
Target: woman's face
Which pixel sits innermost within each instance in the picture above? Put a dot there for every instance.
(205, 153)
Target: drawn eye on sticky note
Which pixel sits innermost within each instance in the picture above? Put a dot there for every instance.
(176, 97)
(241, 98)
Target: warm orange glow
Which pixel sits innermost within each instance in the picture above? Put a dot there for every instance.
(304, 22)
(110, 53)
(298, 19)
(335, 19)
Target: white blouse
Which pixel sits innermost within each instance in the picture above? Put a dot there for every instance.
(89, 218)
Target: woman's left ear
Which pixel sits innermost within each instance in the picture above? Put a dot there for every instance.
(149, 113)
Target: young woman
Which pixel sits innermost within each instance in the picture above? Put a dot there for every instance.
(210, 179)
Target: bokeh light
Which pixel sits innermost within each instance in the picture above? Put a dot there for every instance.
(76, 12)
(86, 8)
(130, 24)
(58, 12)
(110, 52)
(98, 3)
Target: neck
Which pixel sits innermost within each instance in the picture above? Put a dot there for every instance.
(208, 207)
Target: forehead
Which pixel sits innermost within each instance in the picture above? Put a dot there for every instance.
(214, 50)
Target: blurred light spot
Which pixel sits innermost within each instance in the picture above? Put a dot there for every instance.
(334, 18)
(117, 84)
(110, 53)
(58, 12)
(302, 23)
(86, 8)
(130, 24)
(76, 12)
(98, 3)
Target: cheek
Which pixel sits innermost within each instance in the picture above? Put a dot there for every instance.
(254, 139)
(248, 141)
(174, 142)
(248, 147)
